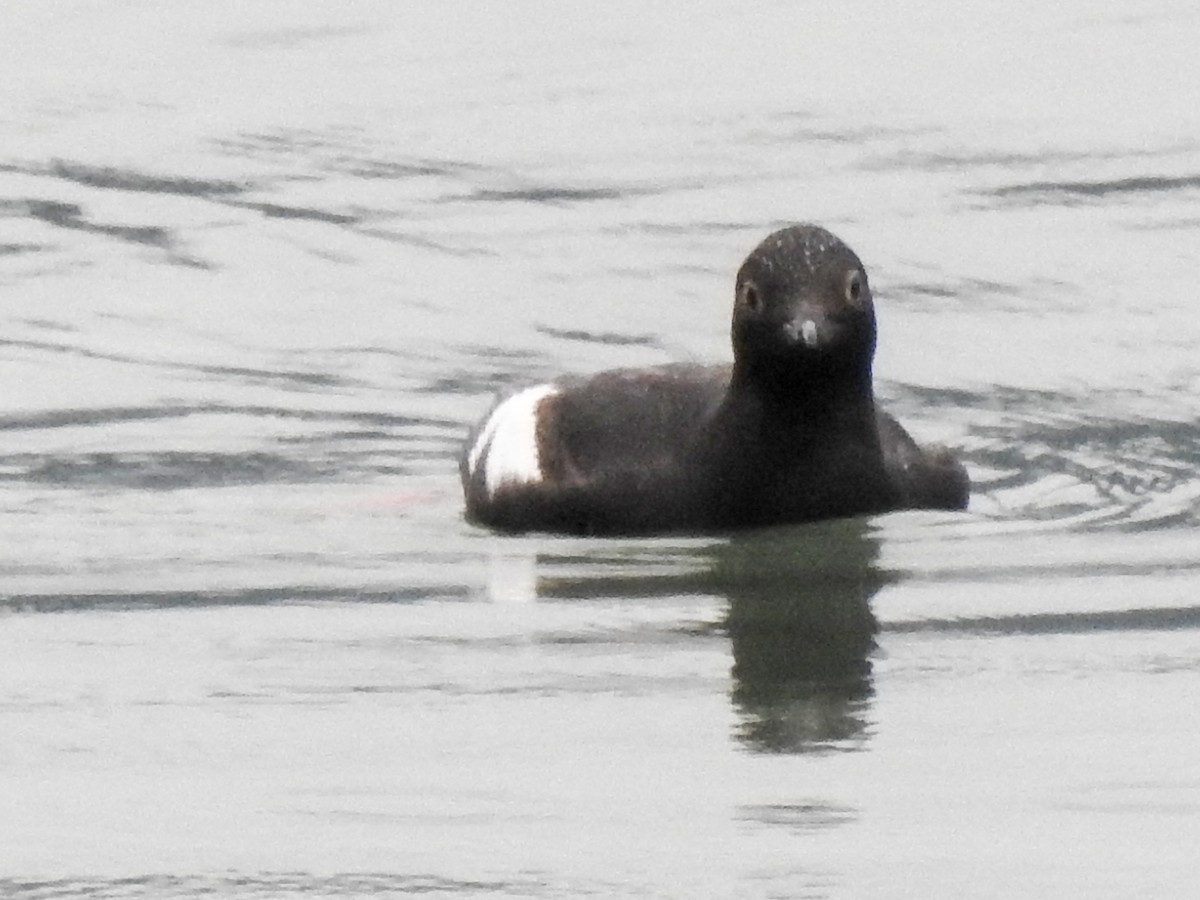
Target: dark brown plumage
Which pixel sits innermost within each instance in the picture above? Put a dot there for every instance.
(788, 433)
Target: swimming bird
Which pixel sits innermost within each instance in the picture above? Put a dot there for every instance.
(790, 432)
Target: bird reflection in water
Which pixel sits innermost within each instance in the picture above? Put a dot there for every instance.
(798, 617)
(802, 631)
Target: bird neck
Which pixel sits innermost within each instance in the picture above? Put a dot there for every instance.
(839, 398)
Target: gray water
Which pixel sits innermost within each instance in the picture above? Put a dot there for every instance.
(261, 267)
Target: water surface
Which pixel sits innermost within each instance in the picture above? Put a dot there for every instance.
(263, 267)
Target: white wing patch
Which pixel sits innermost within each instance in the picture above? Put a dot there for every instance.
(506, 447)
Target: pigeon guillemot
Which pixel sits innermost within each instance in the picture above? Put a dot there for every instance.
(789, 433)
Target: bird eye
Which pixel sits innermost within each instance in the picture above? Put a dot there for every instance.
(751, 298)
(854, 287)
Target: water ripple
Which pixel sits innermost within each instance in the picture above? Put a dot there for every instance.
(269, 884)
(1061, 458)
(1068, 191)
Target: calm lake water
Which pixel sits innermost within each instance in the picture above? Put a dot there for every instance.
(261, 267)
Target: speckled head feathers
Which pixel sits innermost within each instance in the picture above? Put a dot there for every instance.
(796, 255)
(803, 308)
